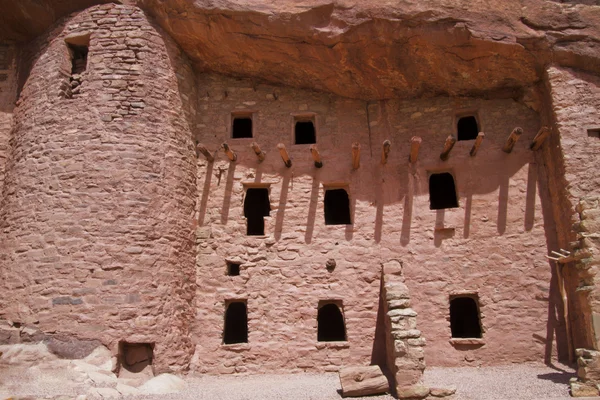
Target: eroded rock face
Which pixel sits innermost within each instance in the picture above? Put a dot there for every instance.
(369, 50)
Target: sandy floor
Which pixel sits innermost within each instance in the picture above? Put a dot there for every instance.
(502, 383)
(531, 381)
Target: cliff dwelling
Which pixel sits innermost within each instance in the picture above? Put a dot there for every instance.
(250, 188)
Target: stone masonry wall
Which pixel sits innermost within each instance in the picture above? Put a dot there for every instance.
(576, 108)
(405, 346)
(493, 244)
(97, 210)
(8, 94)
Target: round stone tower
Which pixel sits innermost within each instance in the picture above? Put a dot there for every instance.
(97, 210)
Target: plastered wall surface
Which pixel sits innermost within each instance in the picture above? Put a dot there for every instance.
(493, 244)
(98, 204)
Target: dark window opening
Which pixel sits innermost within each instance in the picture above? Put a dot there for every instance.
(233, 269)
(256, 207)
(467, 128)
(330, 322)
(79, 56)
(236, 323)
(304, 132)
(135, 357)
(241, 127)
(337, 207)
(594, 132)
(464, 318)
(442, 191)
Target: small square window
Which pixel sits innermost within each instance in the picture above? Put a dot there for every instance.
(467, 128)
(442, 191)
(465, 319)
(594, 132)
(337, 207)
(236, 322)
(233, 269)
(256, 207)
(304, 130)
(241, 126)
(330, 323)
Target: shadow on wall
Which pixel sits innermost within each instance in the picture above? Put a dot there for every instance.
(409, 185)
(285, 185)
(312, 210)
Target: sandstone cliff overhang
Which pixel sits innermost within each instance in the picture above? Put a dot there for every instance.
(370, 50)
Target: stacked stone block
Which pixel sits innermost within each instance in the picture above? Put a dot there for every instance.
(405, 346)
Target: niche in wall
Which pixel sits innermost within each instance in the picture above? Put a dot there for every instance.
(337, 207)
(233, 269)
(241, 126)
(304, 130)
(135, 357)
(236, 323)
(467, 128)
(465, 319)
(594, 132)
(442, 191)
(256, 207)
(78, 46)
(330, 323)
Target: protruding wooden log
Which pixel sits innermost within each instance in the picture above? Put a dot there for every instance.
(512, 139)
(415, 144)
(202, 149)
(355, 155)
(385, 151)
(284, 155)
(230, 154)
(478, 140)
(538, 140)
(363, 381)
(316, 156)
(450, 142)
(259, 153)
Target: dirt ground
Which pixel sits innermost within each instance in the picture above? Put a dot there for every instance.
(63, 379)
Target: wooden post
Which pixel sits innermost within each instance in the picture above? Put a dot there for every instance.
(259, 153)
(450, 142)
(284, 155)
(363, 381)
(355, 155)
(316, 156)
(538, 140)
(512, 139)
(202, 149)
(415, 144)
(230, 154)
(478, 140)
(385, 151)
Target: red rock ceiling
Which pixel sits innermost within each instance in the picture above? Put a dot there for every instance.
(368, 49)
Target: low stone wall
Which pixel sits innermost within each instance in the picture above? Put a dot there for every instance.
(404, 344)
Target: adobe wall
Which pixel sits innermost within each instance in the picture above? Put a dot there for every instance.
(97, 209)
(576, 107)
(493, 244)
(8, 94)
